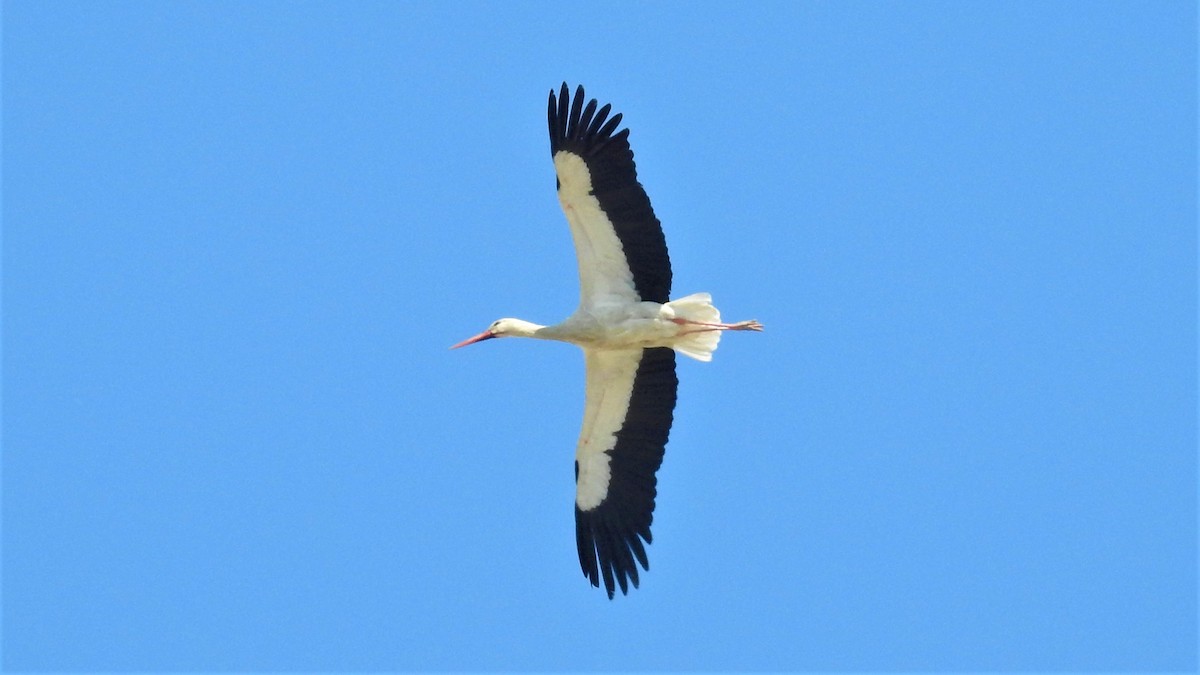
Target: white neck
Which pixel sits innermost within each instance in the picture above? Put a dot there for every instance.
(572, 330)
(521, 328)
(567, 331)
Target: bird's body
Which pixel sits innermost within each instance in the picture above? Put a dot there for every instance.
(638, 325)
(629, 330)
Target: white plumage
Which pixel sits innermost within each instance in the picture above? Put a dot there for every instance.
(628, 329)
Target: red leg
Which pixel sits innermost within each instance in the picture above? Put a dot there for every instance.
(741, 325)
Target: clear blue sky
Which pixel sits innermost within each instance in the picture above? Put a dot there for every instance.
(239, 238)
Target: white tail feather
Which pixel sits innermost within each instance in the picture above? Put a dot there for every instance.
(699, 344)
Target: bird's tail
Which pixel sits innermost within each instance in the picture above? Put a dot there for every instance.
(695, 342)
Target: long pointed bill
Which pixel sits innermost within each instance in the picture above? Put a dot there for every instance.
(485, 335)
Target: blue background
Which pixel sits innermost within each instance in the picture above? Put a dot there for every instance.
(239, 237)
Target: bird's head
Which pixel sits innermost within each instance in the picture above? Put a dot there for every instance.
(501, 328)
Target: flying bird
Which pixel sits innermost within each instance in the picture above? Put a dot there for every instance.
(629, 330)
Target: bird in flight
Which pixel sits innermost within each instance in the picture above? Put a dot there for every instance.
(629, 330)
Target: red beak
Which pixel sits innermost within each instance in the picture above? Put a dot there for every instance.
(485, 335)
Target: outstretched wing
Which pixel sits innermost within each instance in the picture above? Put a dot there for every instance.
(619, 242)
(626, 421)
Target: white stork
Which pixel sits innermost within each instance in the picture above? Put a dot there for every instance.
(629, 330)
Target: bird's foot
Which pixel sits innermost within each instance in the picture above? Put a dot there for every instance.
(752, 324)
